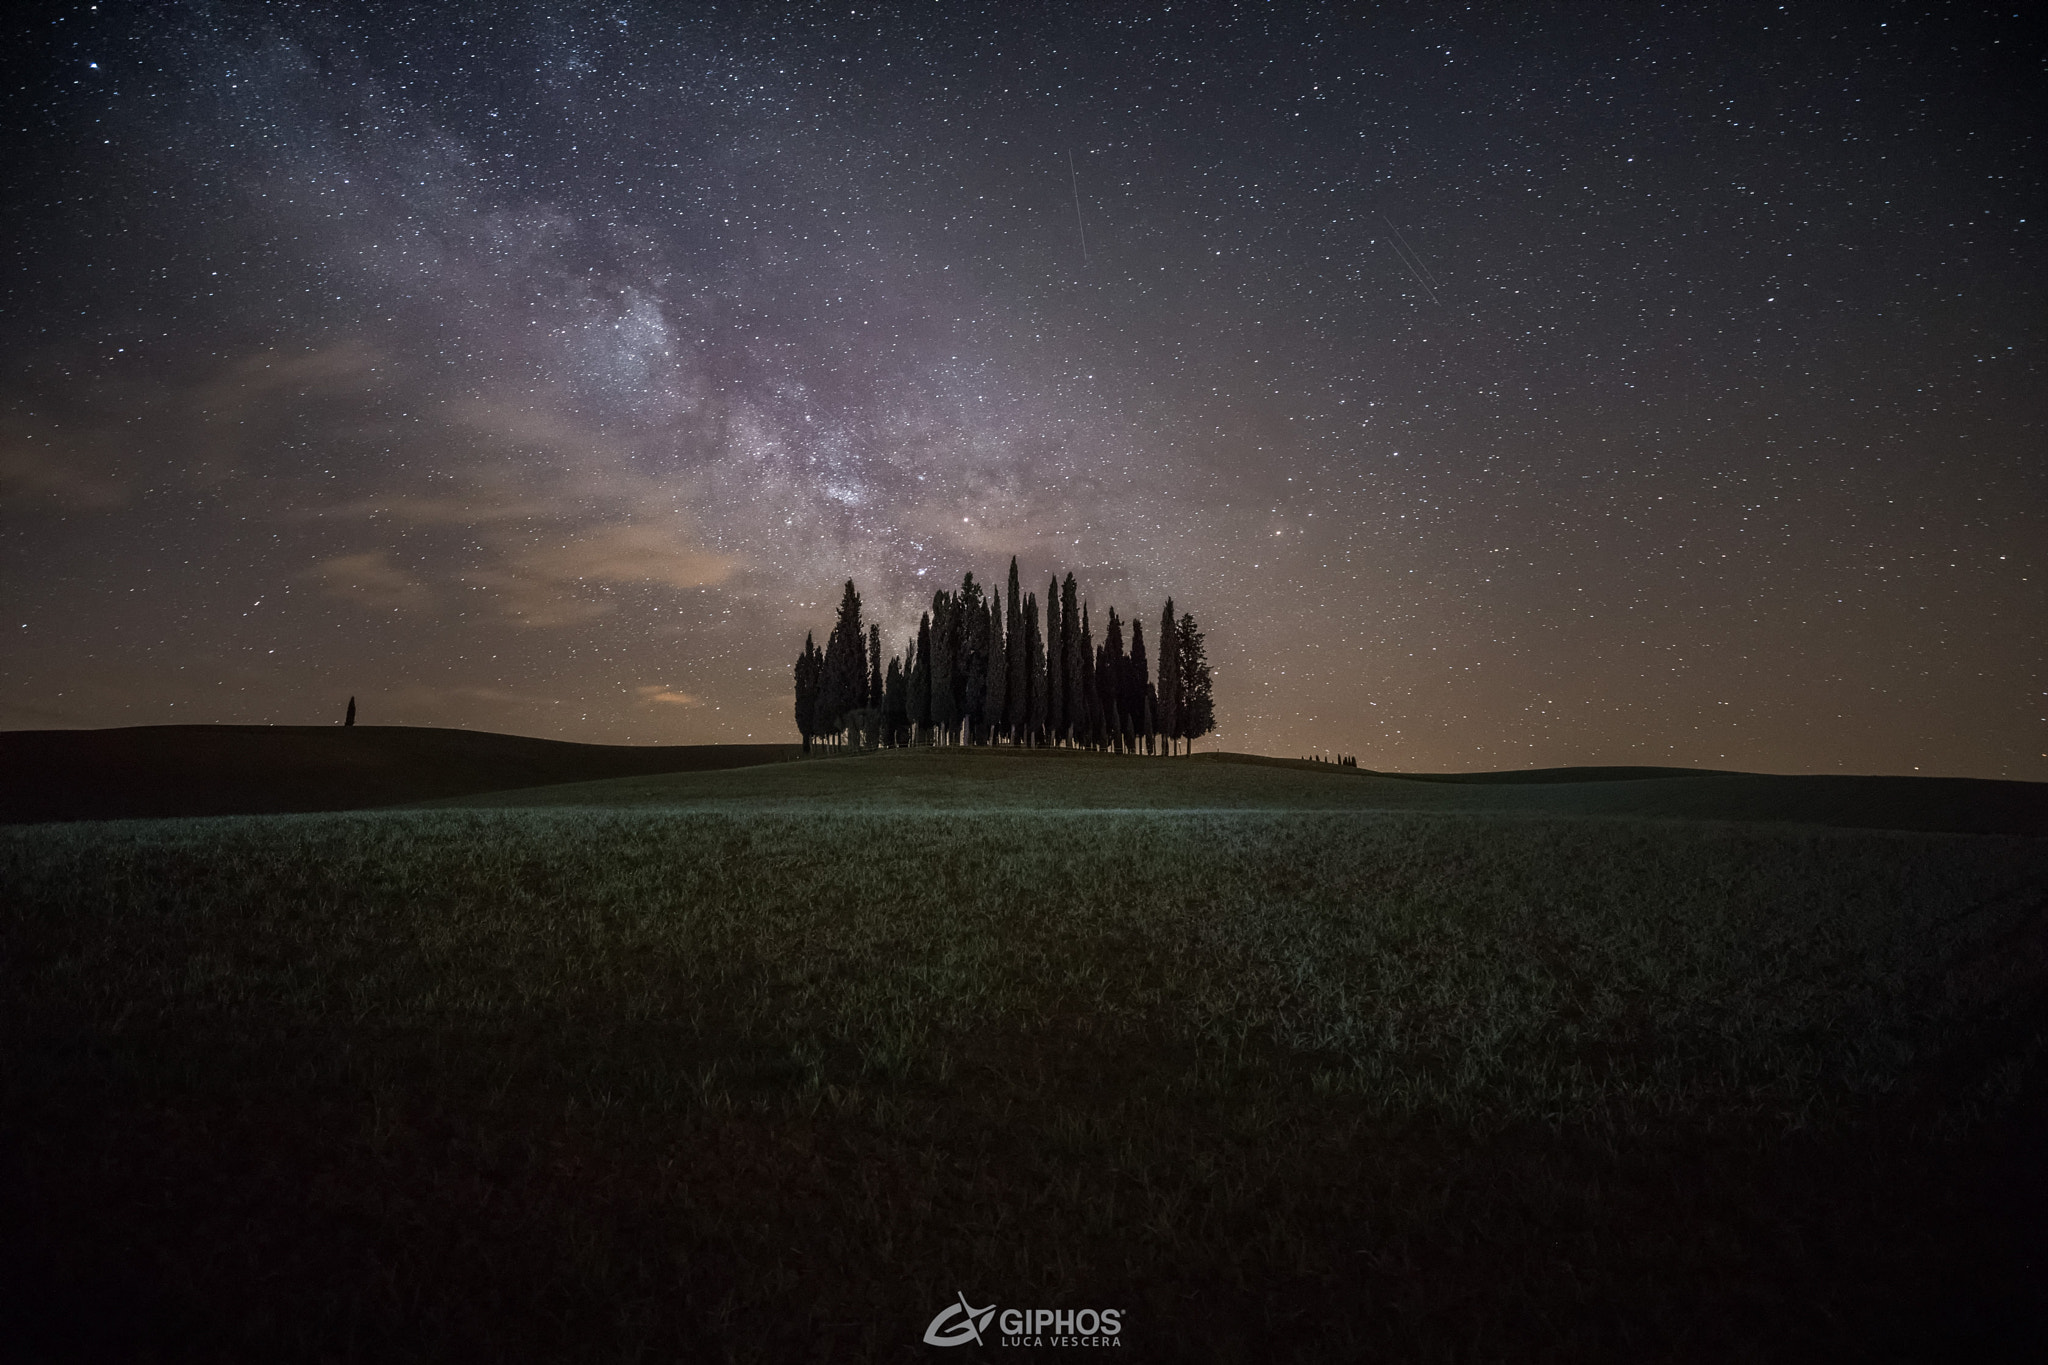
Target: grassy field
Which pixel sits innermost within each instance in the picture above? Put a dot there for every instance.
(985, 779)
(1283, 1062)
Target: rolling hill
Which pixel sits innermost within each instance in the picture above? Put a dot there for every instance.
(173, 770)
(970, 780)
(188, 770)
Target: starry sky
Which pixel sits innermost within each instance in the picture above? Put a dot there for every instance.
(1497, 387)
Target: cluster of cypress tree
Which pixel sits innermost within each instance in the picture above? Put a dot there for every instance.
(982, 670)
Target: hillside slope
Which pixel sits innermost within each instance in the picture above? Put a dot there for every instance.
(171, 770)
(963, 780)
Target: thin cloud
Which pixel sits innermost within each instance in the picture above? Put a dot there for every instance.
(29, 470)
(564, 584)
(343, 367)
(372, 580)
(525, 426)
(669, 696)
(631, 552)
(432, 510)
(533, 601)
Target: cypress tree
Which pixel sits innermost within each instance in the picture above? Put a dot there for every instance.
(956, 637)
(1105, 697)
(945, 662)
(1070, 661)
(825, 715)
(973, 670)
(1141, 719)
(1169, 677)
(874, 701)
(1053, 669)
(810, 671)
(1034, 673)
(1017, 704)
(909, 674)
(1091, 702)
(1198, 706)
(995, 703)
(921, 681)
(857, 661)
(895, 704)
(1113, 680)
(846, 672)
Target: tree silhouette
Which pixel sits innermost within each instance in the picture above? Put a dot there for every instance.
(972, 671)
(1089, 729)
(1169, 676)
(995, 699)
(1070, 663)
(978, 670)
(1139, 687)
(810, 676)
(1198, 707)
(1034, 672)
(921, 682)
(895, 704)
(874, 688)
(1054, 667)
(1110, 673)
(1017, 701)
(945, 659)
(350, 718)
(846, 672)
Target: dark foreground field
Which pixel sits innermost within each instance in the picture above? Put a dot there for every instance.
(774, 1063)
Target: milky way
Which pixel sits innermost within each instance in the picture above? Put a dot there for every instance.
(548, 369)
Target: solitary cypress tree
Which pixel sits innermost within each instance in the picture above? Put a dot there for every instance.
(350, 718)
(1070, 661)
(1053, 669)
(1198, 706)
(1034, 673)
(1169, 677)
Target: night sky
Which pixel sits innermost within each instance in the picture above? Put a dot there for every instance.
(547, 369)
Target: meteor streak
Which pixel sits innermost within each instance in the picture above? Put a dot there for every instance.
(1414, 262)
(1076, 178)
